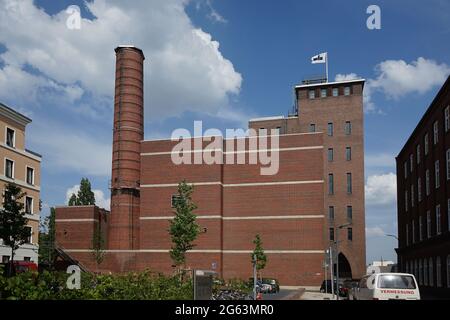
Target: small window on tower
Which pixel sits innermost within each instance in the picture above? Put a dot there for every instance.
(312, 127)
(323, 93)
(10, 137)
(312, 94)
(335, 92)
(347, 91)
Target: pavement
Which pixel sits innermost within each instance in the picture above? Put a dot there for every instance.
(283, 294)
(315, 295)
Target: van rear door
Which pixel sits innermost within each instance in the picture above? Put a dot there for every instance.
(397, 287)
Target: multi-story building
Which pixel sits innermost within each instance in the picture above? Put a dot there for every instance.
(297, 211)
(336, 110)
(423, 198)
(20, 166)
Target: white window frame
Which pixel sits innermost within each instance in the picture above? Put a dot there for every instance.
(322, 91)
(438, 272)
(447, 118)
(335, 92)
(426, 145)
(347, 91)
(438, 219)
(436, 132)
(26, 174)
(418, 154)
(32, 204)
(312, 94)
(6, 136)
(437, 175)
(13, 168)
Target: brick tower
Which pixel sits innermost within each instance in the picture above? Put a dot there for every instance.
(128, 132)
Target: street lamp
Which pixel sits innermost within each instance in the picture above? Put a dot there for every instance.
(391, 235)
(337, 256)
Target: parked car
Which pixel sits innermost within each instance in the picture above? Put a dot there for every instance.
(19, 267)
(387, 286)
(274, 283)
(348, 288)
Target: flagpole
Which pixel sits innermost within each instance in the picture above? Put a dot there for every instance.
(326, 64)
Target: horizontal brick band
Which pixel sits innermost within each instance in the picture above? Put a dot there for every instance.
(242, 218)
(230, 152)
(233, 184)
(199, 251)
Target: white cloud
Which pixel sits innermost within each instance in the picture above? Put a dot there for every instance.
(213, 14)
(100, 199)
(375, 232)
(346, 77)
(381, 190)
(184, 69)
(65, 150)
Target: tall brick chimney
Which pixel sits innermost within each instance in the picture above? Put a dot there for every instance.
(128, 132)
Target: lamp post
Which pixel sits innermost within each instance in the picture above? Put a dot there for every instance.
(337, 256)
(391, 235)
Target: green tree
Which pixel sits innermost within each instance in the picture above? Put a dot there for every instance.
(85, 196)
(183, 228)
(261, 258)
(98, 245)
(47, 238)
(13, 222)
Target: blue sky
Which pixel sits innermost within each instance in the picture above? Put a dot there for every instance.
(221, 61)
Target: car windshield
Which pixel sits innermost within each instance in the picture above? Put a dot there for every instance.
(396, 282)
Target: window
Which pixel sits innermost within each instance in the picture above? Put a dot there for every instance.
(438, 272)
(331, 234)
(349, 183)
(436, 174)
(350, 234)
(448, 163)
(27, 259)
(431, 272)
(30, 175)
(30, 235)
(348, 128)
(323, 93)
(346, 91)
(330, 129)
(349, 213)
(331, 213)
(348, 153)
(406, 200)
(425, 272)
(9, 169)
(330, 183)
(420, 228)
(448, 213)
(447, 118)
(428, 224)
(438, 219)
(5, 259)
(448, 271)
(405, 167)
(330, 154)
(312, 127)
(412, 196)
(407, 234)
(419, 189)
(425, 143)
(312, 94)
(411, 162)
(175, 199)
(435, 132)
(10, 137)
(28, 205)
(335, 92)
(413, 231)
(418, 154)
(427, 182)
(420, 272)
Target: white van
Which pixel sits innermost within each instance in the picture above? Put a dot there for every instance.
(387, 286)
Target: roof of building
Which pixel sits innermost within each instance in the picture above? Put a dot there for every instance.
(328, 83)
(444, 88)
(14, 115)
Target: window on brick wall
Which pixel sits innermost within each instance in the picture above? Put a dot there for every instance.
(436, 132)
(335, 92)
(411, 162)
(427, 182)
(447, 155)
(438, 219)
(413, 231)
(438, 272)
(406, 200)
(405, 168)
(331, 213)
(419, 189)
(348, 128)
(28, 205)
(330, 154)
(10, 137)
(437, 180)
(349, 213)
(346, 91)
(418, 154)
(425, 143)
(420, 228)
(447, 118)
(9, 168)
(350, 234)
(330, 183)
(428, 224)
(348, 153)
(412, 196)
(349, 183)
(330, 130)
(323, 93)
(407, 234)
(331, 234)
(312, 127)
(312, 94)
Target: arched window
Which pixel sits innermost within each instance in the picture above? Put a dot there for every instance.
(438, 272)
(431, 272)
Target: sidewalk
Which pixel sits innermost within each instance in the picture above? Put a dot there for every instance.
(315, 295)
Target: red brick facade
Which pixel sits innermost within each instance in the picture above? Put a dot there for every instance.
(235, 201)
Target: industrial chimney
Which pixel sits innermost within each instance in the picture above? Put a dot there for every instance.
(128, 132)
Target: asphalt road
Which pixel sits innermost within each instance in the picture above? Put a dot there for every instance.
(281, 295)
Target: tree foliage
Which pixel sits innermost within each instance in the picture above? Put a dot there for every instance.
(183, 228)
(13, 221)
(261, 258)
(85, 196)
(47, 238)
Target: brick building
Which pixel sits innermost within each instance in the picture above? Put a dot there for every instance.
(290, 210)
(423, 199)
(22, 167)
